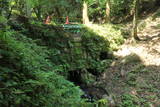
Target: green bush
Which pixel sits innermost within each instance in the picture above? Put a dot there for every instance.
(68, 55)
(27, 77)
(121, 8)
(94, 43)
(129, 101)
(3, 20)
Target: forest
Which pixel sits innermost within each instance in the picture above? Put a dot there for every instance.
(79, 53)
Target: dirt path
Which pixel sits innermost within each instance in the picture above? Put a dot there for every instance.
(136, 71)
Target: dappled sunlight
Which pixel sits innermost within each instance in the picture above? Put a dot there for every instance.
(147, 54)
(105, 30)
(148, 50)
(149, 29)
(135, 73)
(109, 32)
(132, 76)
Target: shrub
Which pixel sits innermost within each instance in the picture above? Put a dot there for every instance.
(27, 77)
(129, 101)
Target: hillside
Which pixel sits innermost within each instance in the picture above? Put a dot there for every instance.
(133, 77)
(79, 53)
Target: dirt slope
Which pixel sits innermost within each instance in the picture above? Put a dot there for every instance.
(136, 70)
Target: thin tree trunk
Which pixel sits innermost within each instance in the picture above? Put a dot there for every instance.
(107, 11)
(85, 13)
(135, 20)
(10, 13)
(28, 9)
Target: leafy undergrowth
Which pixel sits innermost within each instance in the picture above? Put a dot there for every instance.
(92, 51)
(27, 77)
(110, 32)
(36, 61)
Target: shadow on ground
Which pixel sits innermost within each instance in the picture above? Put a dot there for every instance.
(130, 76)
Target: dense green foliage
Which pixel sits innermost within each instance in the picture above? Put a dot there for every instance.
(39, 9)
(129, 101)
(38, 59)
(30, 61)
(121, 10)
(27, 76)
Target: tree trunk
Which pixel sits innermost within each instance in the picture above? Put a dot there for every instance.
(85, 13)
(28, 9)
(107, 11)
(135, 20)
(10, 13)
